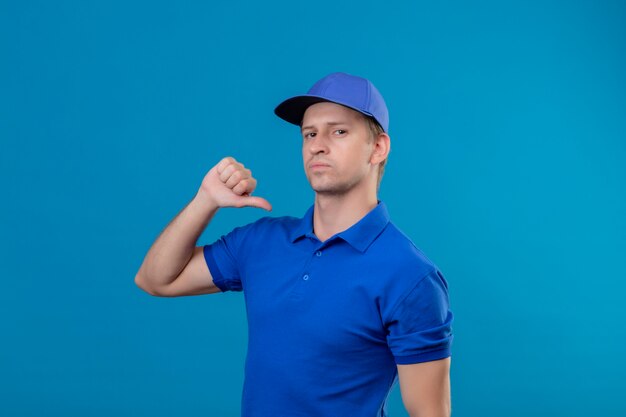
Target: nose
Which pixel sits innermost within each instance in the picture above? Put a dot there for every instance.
(318, 144)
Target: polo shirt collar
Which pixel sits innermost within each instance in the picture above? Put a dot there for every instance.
(360, 235)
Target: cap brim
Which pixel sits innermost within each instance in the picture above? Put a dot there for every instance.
(292, 110)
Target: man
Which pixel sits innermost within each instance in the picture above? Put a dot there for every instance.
(340, 303)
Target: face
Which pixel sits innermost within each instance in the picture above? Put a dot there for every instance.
(336, 149)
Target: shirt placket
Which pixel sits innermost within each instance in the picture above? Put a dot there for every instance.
(306, 277)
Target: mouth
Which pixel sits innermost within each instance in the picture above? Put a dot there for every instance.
(317, 165)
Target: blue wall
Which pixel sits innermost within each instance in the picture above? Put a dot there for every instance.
(508, 169)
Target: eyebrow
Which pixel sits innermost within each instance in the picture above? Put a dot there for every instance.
(328, 123)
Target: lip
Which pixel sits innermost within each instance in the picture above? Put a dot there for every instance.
(318, 165)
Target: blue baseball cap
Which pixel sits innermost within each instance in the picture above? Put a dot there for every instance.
(348, 90)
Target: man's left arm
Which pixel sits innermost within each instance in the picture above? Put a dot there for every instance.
(425, 388)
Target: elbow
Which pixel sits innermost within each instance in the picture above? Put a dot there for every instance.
(141, 283)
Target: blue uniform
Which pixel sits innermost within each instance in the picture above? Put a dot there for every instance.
(329, 321)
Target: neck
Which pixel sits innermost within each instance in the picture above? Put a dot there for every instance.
(335, 213)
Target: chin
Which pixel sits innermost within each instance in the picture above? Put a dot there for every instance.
(331, 189)
(330, 185)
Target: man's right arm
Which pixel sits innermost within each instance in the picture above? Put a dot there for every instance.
(174, 266)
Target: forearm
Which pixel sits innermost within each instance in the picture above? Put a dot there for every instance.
(172, 250)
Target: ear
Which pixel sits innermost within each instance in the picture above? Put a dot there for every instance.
(382, 147)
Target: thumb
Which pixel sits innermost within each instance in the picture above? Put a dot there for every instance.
(259, 202)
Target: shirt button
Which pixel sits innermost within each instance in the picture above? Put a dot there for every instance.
(318, 253)
(305, 277)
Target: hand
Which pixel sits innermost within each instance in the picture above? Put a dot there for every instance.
(229, 184)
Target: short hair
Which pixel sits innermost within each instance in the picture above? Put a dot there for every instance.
(376, 129)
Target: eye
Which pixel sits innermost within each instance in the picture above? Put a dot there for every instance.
(341, 131)
(309, 135)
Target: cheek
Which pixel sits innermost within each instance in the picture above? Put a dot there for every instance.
(361, 154)
(368, 151)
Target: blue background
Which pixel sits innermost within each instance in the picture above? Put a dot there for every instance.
(508, 127)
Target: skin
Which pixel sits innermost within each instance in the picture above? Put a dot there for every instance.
(345, 188)
(341, 164)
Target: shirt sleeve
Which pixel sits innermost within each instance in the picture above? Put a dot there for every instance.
(223, 259)
(419, 327)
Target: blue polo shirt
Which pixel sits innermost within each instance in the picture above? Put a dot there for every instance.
(329, 321)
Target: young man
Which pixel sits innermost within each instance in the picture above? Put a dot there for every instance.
(340, 303)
